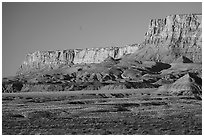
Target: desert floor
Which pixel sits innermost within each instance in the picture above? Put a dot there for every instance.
(132, 111)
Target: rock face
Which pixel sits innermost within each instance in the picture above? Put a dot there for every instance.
(183, 59)
(166, 40)
(54, 59)
(185, 85)
(174, 36)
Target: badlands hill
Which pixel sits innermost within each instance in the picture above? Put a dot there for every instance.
(172, 47)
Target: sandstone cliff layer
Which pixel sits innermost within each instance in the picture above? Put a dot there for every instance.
(172, 37)
(166, 40)
(54, 59)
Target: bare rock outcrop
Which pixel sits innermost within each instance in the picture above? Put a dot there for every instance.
(182, 59)
(174, 36)
(165, 41)
(185, 85)
(40, 60)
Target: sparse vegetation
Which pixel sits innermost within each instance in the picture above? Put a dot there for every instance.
(111, 112)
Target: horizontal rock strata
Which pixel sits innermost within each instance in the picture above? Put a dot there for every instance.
(166, 40)
(177, 35)
(54, 59)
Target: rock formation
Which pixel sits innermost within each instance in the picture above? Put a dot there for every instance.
(169, 57)
(182, 59)
(172, 37)
(185, 85)
(166, 40)
(54, 59)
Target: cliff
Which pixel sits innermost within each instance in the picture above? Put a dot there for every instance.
(54, 59)
(166, 40)
(172, 37)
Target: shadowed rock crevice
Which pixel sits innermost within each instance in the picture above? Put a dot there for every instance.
(159, 67)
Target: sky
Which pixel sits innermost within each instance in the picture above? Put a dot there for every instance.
(29, 27)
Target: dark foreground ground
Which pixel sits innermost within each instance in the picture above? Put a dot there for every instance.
(141, 111)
